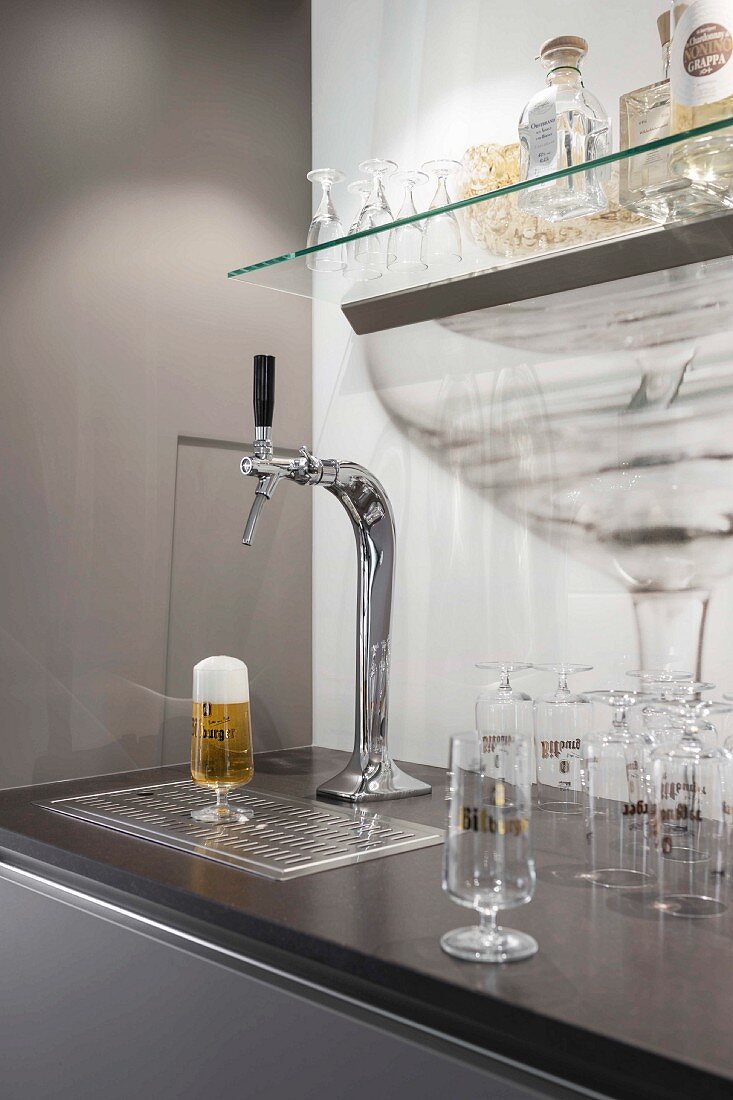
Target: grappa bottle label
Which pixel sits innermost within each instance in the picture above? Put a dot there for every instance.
(542, 134)
(702, 52)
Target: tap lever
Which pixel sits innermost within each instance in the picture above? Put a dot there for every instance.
(264, 391)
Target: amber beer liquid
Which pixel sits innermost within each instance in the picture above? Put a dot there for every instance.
(221, 744)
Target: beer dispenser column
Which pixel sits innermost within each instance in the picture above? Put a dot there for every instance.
(371, 774)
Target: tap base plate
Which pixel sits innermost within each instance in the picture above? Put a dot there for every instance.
(375, 783)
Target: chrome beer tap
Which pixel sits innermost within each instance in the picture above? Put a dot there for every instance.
(370, 774)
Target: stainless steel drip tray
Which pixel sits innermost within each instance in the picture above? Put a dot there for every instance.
(286, 837)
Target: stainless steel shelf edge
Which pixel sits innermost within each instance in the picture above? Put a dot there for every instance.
(587, 265)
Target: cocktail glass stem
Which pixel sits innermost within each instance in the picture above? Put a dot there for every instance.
(671, 628)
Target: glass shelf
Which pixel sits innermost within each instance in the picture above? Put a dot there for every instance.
(512, 253)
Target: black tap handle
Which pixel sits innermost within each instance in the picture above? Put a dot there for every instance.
(264, 390)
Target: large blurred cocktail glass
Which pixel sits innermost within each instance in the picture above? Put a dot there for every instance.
(619, 450)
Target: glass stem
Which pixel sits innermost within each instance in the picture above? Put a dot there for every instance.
(671, 627)
(222, 798)
(563, 685)
(488, 924)
(440, 198)
(325, 206)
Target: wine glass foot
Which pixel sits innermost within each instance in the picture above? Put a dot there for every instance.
(618, 878)
(473, 945)
(689, 905)
(222, 815)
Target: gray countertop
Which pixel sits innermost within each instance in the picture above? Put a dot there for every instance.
(620, 997)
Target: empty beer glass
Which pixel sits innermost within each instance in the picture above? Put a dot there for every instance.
(690, 814)
(562, 721)
(503, 709)
(615, 801)
(488, 860)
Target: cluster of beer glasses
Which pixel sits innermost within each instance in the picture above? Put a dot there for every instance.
(557, 724)
(652, 785)
(408, 248)
(657, 794)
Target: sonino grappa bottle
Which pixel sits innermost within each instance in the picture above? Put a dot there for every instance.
(647, 183)
(701, 74)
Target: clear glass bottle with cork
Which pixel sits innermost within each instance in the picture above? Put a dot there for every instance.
(562, 126)
(647, 183)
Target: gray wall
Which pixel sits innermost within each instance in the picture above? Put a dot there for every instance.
(147, 148)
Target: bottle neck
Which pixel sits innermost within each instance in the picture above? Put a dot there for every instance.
(568, 75)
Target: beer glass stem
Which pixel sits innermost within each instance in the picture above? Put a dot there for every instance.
(222, 799)
(488, 924)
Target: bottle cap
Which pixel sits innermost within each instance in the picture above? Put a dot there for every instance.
(562, 50)
(664, 26)
(220, 680)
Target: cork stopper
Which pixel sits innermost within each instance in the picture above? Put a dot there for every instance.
(566, 49)
(664, 26)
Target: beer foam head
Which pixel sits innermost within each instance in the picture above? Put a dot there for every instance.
(220, 680)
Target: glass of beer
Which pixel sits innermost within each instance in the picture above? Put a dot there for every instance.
(221, 738)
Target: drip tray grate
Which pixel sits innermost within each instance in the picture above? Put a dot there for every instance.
(286, 838)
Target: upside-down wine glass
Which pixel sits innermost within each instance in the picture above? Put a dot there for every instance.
(362, 188)
(372, 251)
(442, 237)
(326, 225)
(488, 859)
(405, 241)
(562, 721)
